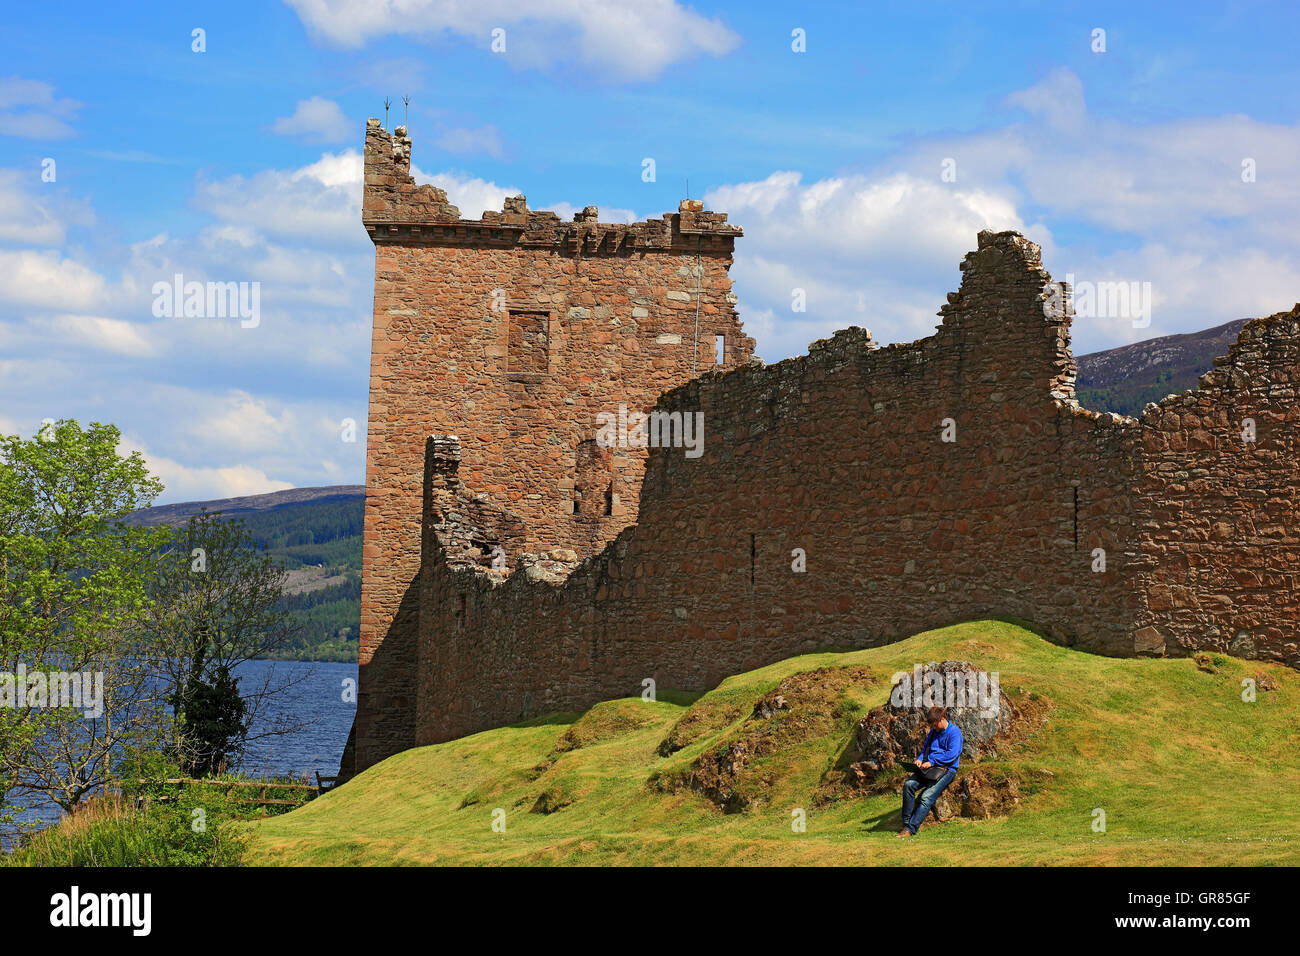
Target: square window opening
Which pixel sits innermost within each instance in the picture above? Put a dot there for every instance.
(527, 346)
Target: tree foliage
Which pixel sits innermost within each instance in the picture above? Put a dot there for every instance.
(133, 613)
(73, 586)
(217, 602)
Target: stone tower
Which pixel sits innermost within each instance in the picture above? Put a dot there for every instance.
(514, 332)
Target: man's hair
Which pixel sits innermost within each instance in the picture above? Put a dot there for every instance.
(936, 714)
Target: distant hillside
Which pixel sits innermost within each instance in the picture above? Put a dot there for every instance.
(316, 534)
(1125, 379)
(179, 513)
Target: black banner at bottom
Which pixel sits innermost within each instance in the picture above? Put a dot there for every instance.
(315, 907)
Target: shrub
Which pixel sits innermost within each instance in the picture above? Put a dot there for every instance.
(112, 830)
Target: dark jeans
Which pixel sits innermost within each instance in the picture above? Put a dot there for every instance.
(914, 811)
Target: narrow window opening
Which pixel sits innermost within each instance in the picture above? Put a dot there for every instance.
(593, 482)
(753, 557)
(1076, 517)
(720, 345)
(460, 612)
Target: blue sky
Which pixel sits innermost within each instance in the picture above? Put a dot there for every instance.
(241, 163)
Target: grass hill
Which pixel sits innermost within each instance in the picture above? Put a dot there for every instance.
(316, 534)
(1125, 379)
(1186, 772)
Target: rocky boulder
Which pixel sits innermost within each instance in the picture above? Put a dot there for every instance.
(895, 732)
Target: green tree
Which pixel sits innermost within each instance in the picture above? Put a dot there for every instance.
(214, 718)
(218, 602)
(73, 589)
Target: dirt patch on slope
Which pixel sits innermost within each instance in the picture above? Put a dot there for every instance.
(698, 722)
(803, 708)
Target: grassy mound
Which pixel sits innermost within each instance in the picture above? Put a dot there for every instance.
(762, 762)
(1183, 769)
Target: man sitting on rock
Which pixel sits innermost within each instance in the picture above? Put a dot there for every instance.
(936, 766)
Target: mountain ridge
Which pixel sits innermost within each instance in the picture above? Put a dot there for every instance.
(181, 511)
(1124, 379)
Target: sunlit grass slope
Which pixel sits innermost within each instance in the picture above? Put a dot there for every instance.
(1185, 771)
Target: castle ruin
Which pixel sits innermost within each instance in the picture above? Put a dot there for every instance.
(515, 563)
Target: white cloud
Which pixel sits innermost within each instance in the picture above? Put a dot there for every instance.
(863, 250)
(334, 169)
(186, 483)
(321, 201)
(244, 423)
(863, 216)
(1162, 203)
(29, 108)
(631, 41)
(1056, 100)
(101, 334)
(471, 195)
(209, 444)
(218, 406)
(315, 120)
(1178, 179)
(36, 213)
(30, 277)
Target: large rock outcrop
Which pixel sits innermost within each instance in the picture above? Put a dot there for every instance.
(976, 704)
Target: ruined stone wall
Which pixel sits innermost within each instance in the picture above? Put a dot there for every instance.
(513, 332)
(827, 510)
(840, 454)
(1220, 546)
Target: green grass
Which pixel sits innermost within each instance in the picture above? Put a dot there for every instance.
(108, 831)
(1186, 772)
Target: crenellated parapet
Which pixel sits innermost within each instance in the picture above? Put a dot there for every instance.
(391, 196)
(396, 210)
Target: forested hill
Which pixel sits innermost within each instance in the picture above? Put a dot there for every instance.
(316, 534)
(1125, 379)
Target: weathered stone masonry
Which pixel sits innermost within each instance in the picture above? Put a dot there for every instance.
(839, 453)
(512, 332)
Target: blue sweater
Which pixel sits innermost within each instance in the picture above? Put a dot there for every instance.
(943, 746)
